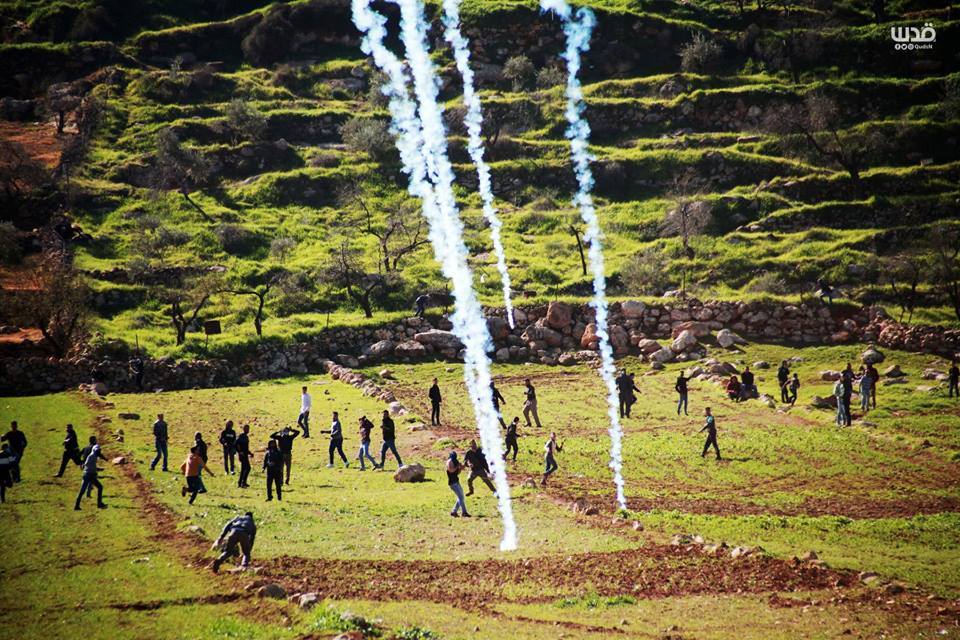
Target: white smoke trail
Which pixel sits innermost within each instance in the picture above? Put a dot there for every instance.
(474, 123)
(578, 30)
(422, 145)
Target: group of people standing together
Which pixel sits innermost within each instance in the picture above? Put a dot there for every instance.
(866, 380)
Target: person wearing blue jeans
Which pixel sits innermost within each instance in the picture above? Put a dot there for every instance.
(90, 477)
(365, 428)
(838, 394)
(550, 462)
(160, 442)
(681, 388)
(389, 440)
(453, 479)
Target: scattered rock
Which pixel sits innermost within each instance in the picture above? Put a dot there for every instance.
(892, 381)
(559, 315)
(819, 402)
(808, 556)
(768, 401)
(761, 364)
(410, 473)
(683, 342)
(727, 338)
(637, 525)
(680, 540)
(632, 309)
(894, 588)
(308, 601)
(894, 372)
(386, 374)
(871, 356)
(272, 590)
(830, 376)
(129, 416)
(119, 460)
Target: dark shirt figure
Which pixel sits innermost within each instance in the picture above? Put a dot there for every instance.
(847, 377)
(6, 466)
(953, 378)
(90, 479)
(825, 291)
(783, 380)
(389, 440)
(530, 404)
(435, 400)
(160, 436)
(285, 438)
(18, 444)
(336, 440)
(421, 304)
(681, 388)
(711, 428)
(228, 440)
(71, 451)
(136, 368)
(747, 388)
(237, 536)
(875, 376)
(510, 440)
(497, 401)
(273, 462)
(479, 467)
(244, 455)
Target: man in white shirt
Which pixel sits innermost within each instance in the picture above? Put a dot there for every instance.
(304, 420)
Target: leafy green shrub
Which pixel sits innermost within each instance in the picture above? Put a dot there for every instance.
(244, 122)
(700, 55)
(644, 273)
(369, 136)
(270, 39)
(238, 240)
(768, 282)
(520, 72)
(280, 248)
(549, 77)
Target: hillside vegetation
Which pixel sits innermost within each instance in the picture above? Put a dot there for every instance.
(742, 150)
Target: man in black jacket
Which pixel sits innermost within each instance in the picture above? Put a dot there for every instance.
(336, 440)
(497, 401)
(160, 436)
(953, 377)
(273, 465)
(284, 439)
(244, 455)
(435, 400)
(389, 440)
(18, 444)
(228, 440)
(71, 451)
(783, 379)
(479, 467)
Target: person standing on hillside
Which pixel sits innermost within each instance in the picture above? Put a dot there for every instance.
(794, 389)
(530, 404)
(783, 379)
(479, 467)
(238, 535)
(711, 428)
(511, 439)
(18, 444)
(273, 462)
(160, 435)
(389, 440)
(847, 377)
(303, 420)
(435, 400)
(366, 427)
(71, 451)
(285, 438)
(825, 291)
(623, 393)
(336, 440)
(90, 478)
(875, 376)
(682, 392)
(454, 468)
(228, 440)
(838, 392)
(497, 401)
(136, 368)
(865, 389)
(201, 445)
(244, 455)
(6, 465)
(953, 379)
(191, 469)
(549, 457)
(421, 304)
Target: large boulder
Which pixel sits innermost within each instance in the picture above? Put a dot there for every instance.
(499, 328)
(871, 356)
(410, 349)
(589, 339)
(727, 338)
(539, 332)
(648, 346)
(830, 375)
(619, 339)
(664, 355)
(347, 360)
(439, 340)
(410, 473)
(683, 342)
(697, 329)
(894, 372)
(272, 590)
(559, 315)
(380, 350)
(632, 309)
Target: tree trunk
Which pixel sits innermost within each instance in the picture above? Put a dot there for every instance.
(192, 203)
(583, 260)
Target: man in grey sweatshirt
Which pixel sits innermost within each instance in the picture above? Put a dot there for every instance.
(238, 533)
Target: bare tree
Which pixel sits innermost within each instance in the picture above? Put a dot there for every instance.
(54, 299)
(903, 273)
(61, 102)
(185, 304)
(690, 215)
(345, 270)
(946, 263)
(20, 174)
(181, 168)
(575, 232)
(401, 233)
(259, 292)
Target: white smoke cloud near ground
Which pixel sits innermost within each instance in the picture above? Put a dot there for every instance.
(578, 29)
(421, 140)
(474, 123)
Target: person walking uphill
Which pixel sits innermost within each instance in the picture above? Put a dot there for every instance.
(681, 388)
(479, 467)
(285, 438)
(711, 428)
(273, 465)
(336, 440)
(549, 458)
(530, 404)
(783, 379)
(244, 455)
(389, 431)
(191, 468)
(18, 444)
(90, 478)
(510, 440)
(160, 435)
(364, 431)
(71, 451)
(228, 440)
(435, 400)
(303, 420)
(238, 535)
(453, 479)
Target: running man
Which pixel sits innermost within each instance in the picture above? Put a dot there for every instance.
(435, 400)
(237, 535)
(681, 388)
(285, 438)
(530, 404)
(191, 468)
(244, 455)
(228, 440)
(201, 446)
(794, 389)
(711, 428)
(273, 462)
(550, 462)
(453, 479)
(511, 439)
(389, 431)
(479, 467)
(303, 420)
(71, 451)
(18, 444)
(90, 478)
(497, 401)
(365, 428)
(160, 435)
(336, 440)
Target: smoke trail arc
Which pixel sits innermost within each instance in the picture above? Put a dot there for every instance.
(578, 29)
(474, 123)
(421, 141)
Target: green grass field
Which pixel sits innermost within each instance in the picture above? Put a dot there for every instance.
(863, 498)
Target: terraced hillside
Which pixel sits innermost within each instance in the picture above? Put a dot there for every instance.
(789, 140)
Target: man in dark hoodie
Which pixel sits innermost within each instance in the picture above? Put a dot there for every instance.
(228, 440)
(244, 455)
(71, 451)
(18, 444)
(285, 438)
(435, 400)
(273, 465)
(238, 535)
(336, 440)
